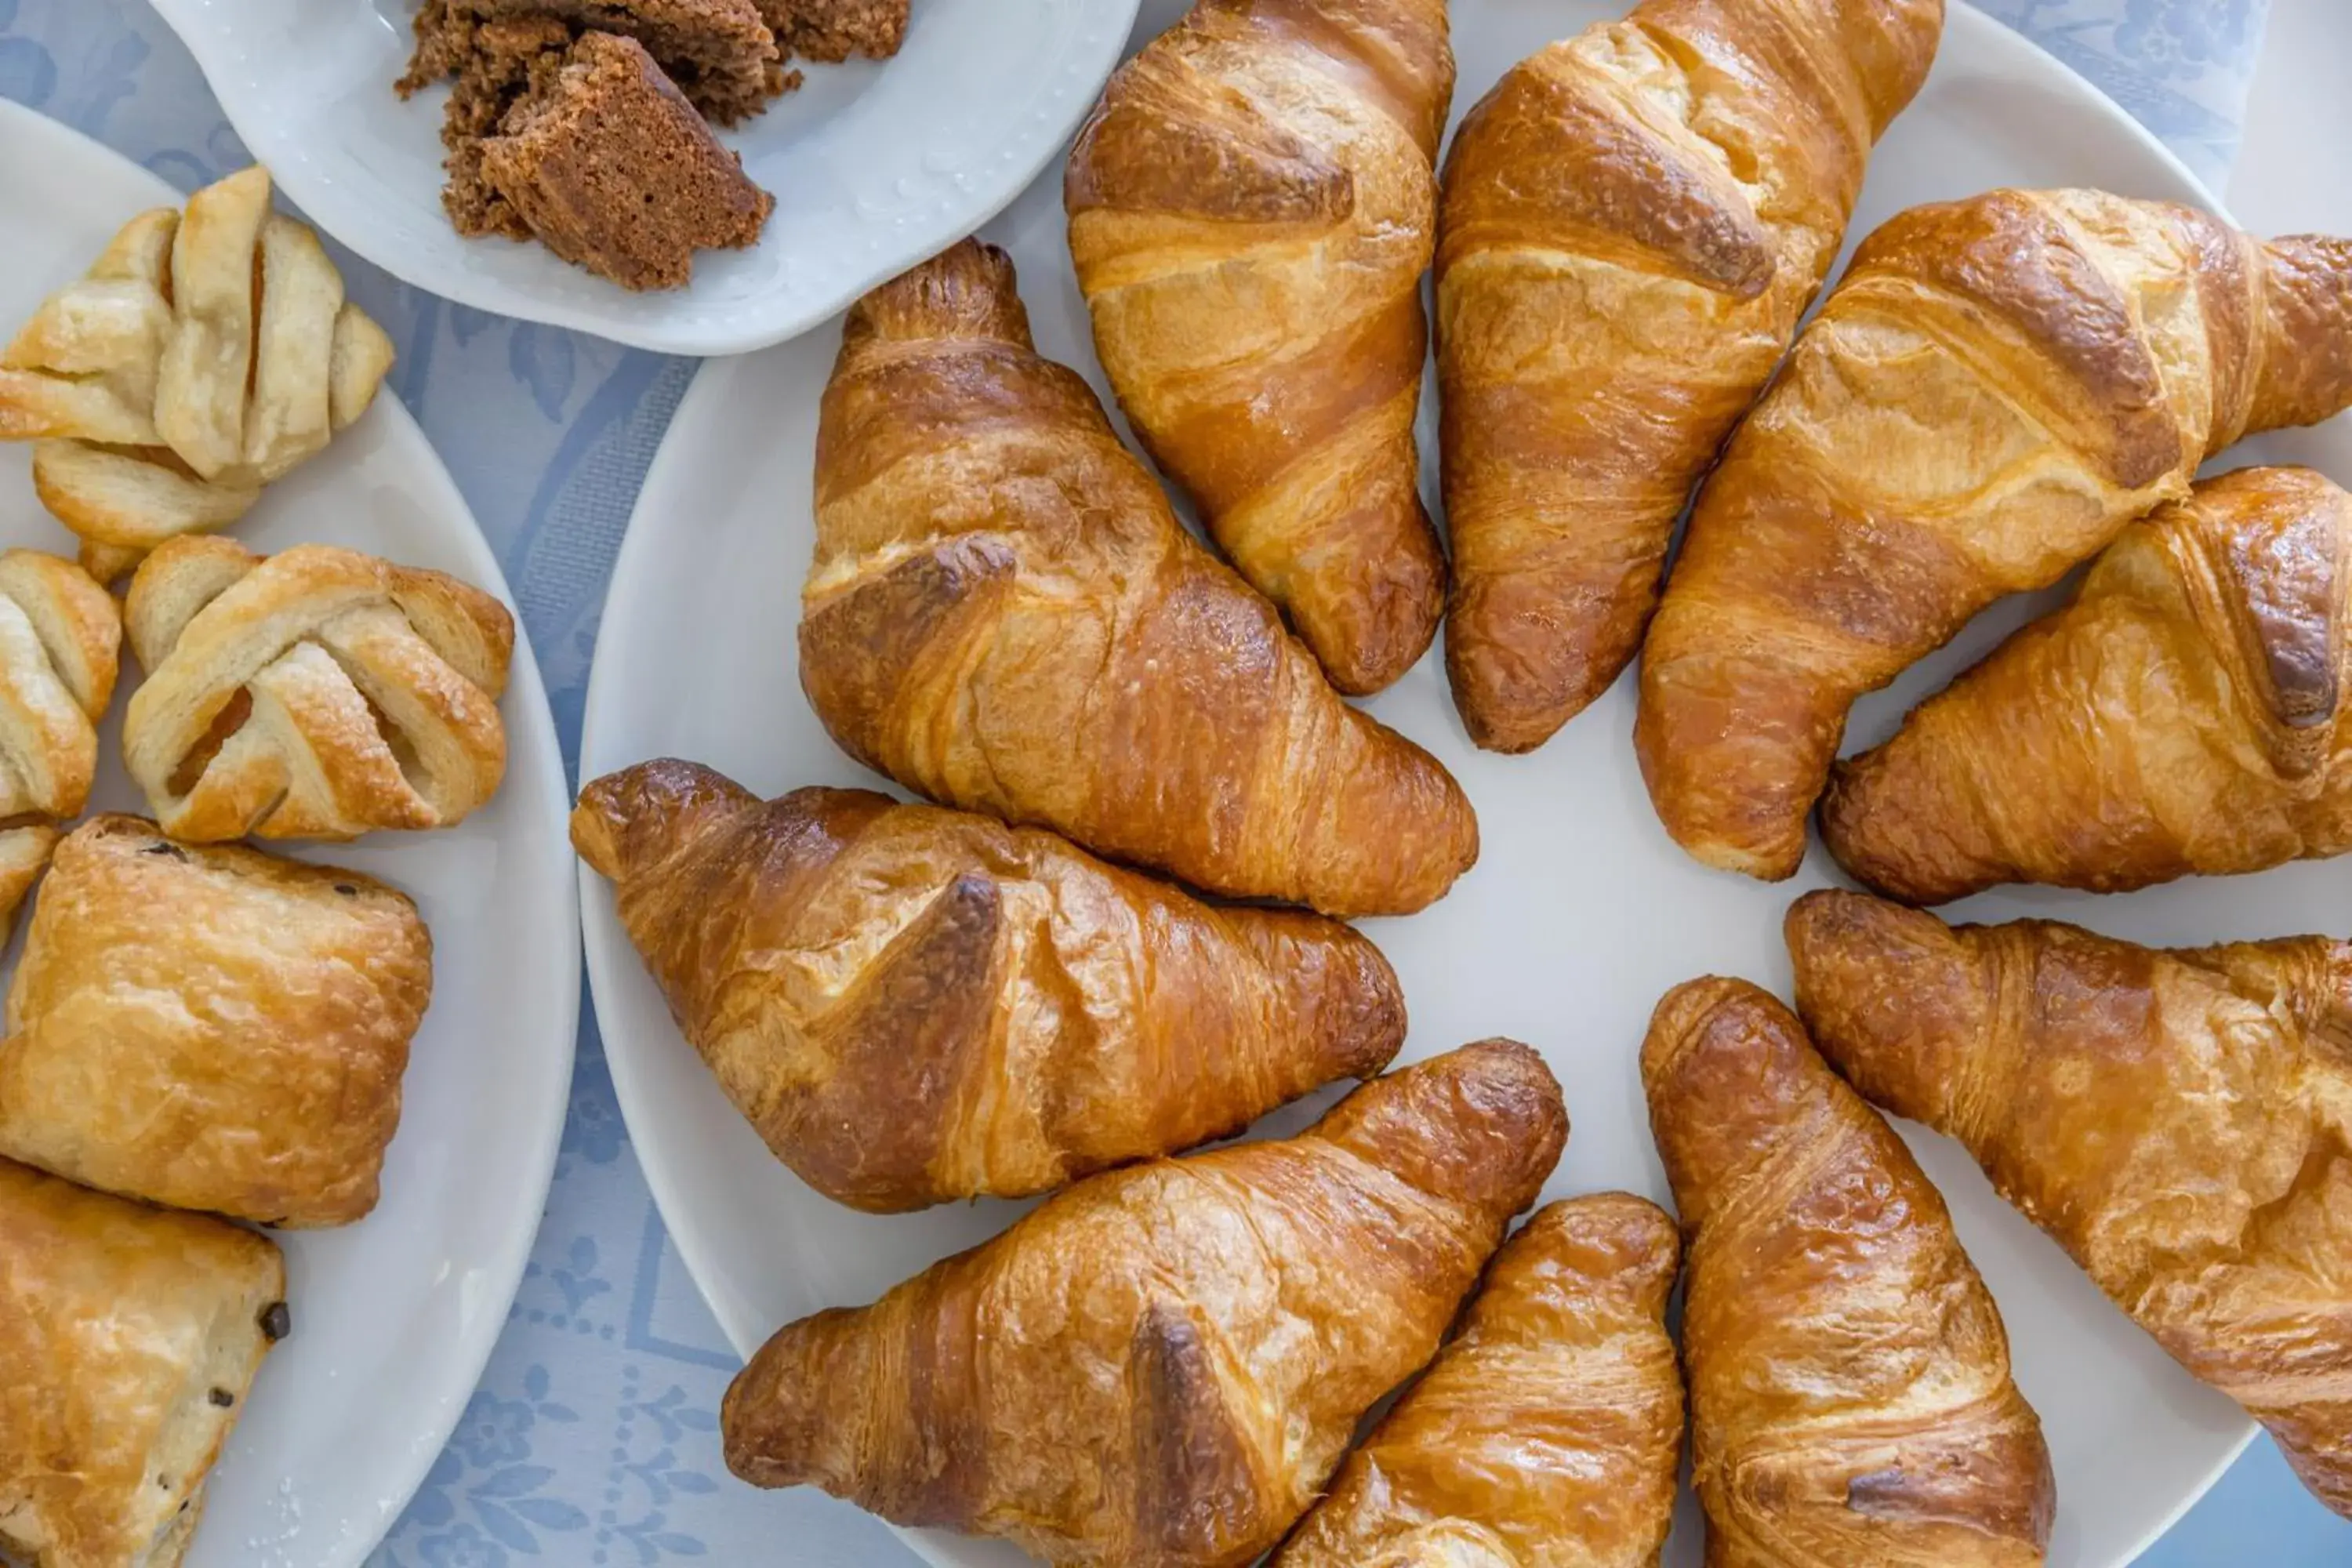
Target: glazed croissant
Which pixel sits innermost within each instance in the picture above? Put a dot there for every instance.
(314, 693)
(1995, 388)
(1159, 1367)
(914, 1006)
(202, 356)
(2181, 716)
(1633, 220)
(1251, 209)
(1547, 1433)
(1851, 1399)
(2175, 1120)
(1004, 614)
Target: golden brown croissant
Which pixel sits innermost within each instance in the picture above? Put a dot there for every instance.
(1252, 207)
(1547, 1433)
(2175, 1120)
(1634, 221)
(1159, 1367)
(1004, 614)
(914, 1006)
(202, 356)
(1851, 1399)
(314, 693)
(2181, 715)
(129, 1337)
(1994, 389)
(211, 1027)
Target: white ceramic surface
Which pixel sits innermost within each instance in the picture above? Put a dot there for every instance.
(1580, 914)
(875, 165)
(395, 1317)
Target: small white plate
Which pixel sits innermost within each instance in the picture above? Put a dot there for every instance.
(1580, 915)
(875, 165)
(395, 1317)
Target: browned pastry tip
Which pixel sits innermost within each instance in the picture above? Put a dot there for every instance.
(1004, 614)
(1811, 1231)
(1995, 390)
(2167, 1117)
(1198, 1337)
(2181, 715)
(914, 1006)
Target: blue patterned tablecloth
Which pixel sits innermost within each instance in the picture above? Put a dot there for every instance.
(594, 1438)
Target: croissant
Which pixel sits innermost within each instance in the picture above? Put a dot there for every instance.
(201, 357)
(2173, 1119)
(1547, 1433)
(1004, 614)
(130, 1338)
(314, 693)
(1251, 209)
(1851, 1398)
(1633, 220)
(1992, 392)
(2180, 716)
(1159, 1367)
(914, 1006)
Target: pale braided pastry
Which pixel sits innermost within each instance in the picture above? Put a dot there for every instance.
(315, 693)
(164, 388)
(59, 641)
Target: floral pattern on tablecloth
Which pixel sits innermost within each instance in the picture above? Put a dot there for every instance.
(594, 1438)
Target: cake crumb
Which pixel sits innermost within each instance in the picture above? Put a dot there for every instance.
(609, 165)
(721, 53)
(830, 31)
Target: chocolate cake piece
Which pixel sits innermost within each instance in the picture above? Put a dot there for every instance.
(832, 30)
(720, 54)
(609, 165)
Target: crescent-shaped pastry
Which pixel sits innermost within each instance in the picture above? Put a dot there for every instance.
(915, 1005)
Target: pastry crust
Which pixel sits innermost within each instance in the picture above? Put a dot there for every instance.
(315, 693)
(914, 1006)
(1993, 391)
(1159, 1367)
(211, 1028)
(1633, 220)
(2185, 714)
(1850, 1388)
(129, 1337)
(202, 355)
(2176, 1120)
(59, 634)
(1004, 614)
(1547, 1433)
(1252, 207)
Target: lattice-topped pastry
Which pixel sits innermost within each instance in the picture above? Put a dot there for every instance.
(202, 356)
(315, 693)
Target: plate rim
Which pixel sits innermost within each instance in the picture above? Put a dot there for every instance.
(610, 958)
(565, 961)
(758, 324)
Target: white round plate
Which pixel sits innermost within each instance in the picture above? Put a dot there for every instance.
(394, 1317)
(874, 164)
(1580, 914)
